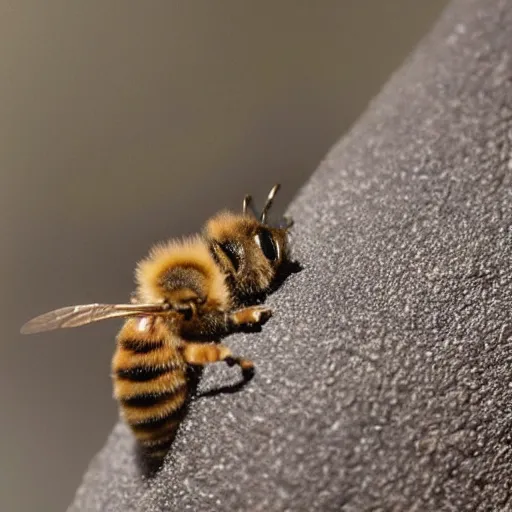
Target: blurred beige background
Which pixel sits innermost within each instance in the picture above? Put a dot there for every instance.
(125, 122)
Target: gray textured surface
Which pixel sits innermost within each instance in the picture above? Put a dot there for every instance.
(123, 124)
(383, 380)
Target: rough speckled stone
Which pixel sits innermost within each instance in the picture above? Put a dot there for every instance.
(384, 379)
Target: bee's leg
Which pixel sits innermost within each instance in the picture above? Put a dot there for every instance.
(204, 353)
(214, 323)
(250, 317)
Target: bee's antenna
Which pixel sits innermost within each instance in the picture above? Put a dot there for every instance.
(246, 203)
(268, 204)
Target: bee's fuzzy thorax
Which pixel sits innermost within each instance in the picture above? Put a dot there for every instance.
(189, 252)
(226, 224)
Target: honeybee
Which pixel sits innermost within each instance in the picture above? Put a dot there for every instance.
(189, 294)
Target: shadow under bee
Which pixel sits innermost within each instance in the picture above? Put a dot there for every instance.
(150, 464)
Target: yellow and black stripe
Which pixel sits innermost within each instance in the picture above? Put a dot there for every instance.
(150, 383)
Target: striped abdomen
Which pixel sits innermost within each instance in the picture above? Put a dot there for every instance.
(150, 382)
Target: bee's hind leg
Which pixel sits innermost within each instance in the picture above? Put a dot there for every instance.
(250, 317)
(204, 353)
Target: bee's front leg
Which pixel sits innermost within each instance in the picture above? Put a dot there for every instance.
(211, 323)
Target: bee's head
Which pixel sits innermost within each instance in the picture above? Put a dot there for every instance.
(250, 251)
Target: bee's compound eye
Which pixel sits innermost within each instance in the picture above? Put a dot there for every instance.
(267, 244)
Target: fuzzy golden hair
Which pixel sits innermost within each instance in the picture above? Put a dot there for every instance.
(189, 252)
(226, 225)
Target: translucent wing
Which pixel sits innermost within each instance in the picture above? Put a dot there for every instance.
(74, 316)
